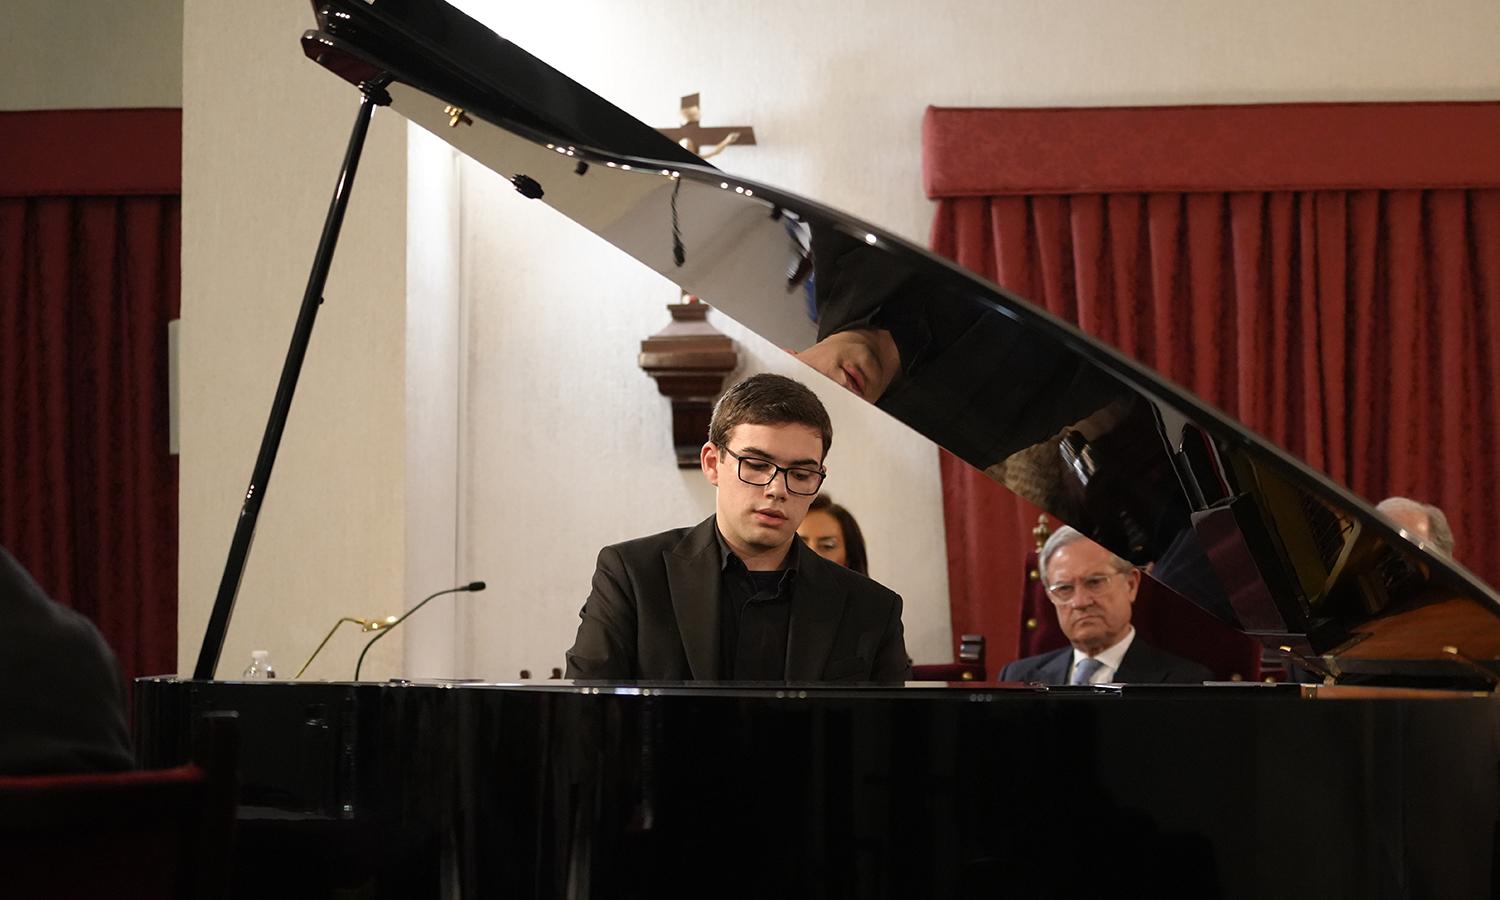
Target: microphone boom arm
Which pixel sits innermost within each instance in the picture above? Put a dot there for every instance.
(364, 625)
(471, 586)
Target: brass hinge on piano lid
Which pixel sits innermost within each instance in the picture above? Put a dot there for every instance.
(1473, 664)
(1329, 672)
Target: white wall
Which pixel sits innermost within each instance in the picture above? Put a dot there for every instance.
(90, 54)
(543, 320)
(264, 132)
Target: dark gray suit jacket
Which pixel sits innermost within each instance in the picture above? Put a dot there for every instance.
(60, 694)
(653, 615)
(1143, 664)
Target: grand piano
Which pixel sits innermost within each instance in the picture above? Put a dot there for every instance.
(1378, 776)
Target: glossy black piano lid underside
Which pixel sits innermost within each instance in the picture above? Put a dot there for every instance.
(1233, 523)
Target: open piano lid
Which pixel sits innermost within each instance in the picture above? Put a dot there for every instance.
(1233, 523)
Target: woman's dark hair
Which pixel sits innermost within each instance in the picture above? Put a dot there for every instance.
(854, 541)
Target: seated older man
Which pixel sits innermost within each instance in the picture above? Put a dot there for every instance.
(1094, 592)
(1422, 521)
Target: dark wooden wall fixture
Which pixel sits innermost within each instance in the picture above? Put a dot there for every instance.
(689, 360)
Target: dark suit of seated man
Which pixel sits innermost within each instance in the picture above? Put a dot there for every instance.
(60, 696)
(1093, 592)
(738, 597)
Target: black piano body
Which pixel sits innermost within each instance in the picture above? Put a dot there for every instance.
(1233, 791)
(1379, 782)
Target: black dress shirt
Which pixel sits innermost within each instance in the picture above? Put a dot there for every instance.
(755, 615)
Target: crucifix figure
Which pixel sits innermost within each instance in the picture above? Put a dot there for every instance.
(705, 142)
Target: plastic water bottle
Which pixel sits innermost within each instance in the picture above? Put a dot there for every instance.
(260, 667)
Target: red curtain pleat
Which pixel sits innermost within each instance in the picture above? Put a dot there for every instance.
(1360, 329)
(88, 489)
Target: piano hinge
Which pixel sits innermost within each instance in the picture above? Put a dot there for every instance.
(1329, 672)
(456, 116)
(1473, 664)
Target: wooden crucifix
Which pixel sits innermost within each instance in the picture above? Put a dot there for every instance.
(705, 142)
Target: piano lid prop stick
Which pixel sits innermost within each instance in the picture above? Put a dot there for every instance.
(244, 531)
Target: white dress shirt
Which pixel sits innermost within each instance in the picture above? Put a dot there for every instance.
(1110, 658)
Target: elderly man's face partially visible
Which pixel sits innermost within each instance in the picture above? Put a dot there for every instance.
(1412, 521)
(1097, 612)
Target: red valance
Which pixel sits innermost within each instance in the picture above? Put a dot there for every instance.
(1295, 146)
(90, 152)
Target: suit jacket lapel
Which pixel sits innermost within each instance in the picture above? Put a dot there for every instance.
(817, 608)
(693, 577)
(1058, 669)
(1139, 664)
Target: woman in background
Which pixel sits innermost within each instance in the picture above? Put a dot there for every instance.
(833, 534)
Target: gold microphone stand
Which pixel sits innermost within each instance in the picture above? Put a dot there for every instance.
(365, 625)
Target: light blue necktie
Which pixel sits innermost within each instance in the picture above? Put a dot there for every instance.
(1085, 670)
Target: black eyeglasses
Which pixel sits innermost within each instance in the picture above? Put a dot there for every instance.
(761, 472)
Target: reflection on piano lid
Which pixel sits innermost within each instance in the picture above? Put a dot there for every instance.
(1230, 521)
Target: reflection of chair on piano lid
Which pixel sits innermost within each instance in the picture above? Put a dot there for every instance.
(968, 666)
(539, 790)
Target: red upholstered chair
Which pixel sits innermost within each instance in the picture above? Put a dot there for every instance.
(970, 665)
(162, 833)
(1039, 629)
(1161, 616)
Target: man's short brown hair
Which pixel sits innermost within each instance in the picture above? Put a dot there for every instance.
(769, 400)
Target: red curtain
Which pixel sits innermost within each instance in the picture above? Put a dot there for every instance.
(1349, 312)
(89, 237)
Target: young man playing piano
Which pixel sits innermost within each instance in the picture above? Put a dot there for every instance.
(738, 597)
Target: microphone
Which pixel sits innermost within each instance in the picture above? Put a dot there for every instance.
(471, 586)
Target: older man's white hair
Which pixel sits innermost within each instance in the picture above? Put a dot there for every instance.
(1439, 535)
(1061, 538)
